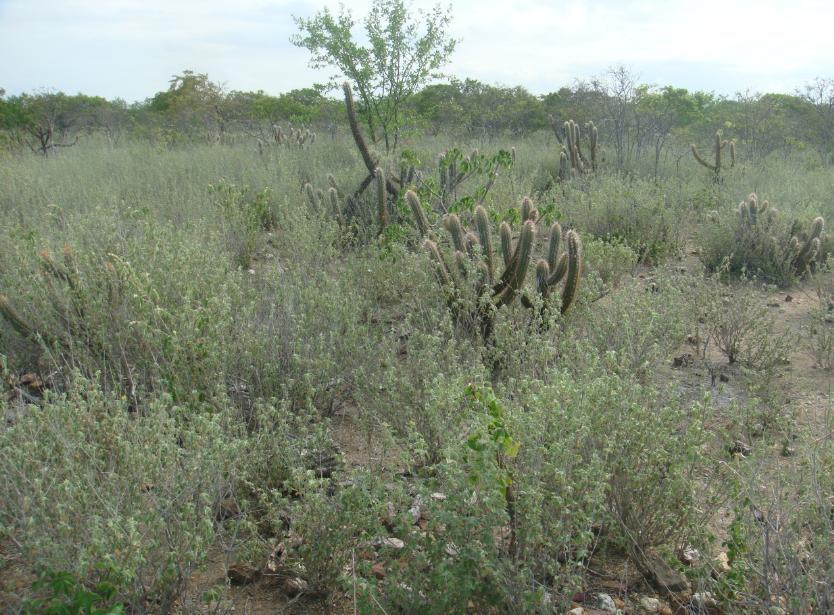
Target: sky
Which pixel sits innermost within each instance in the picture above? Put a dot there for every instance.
(130, 48)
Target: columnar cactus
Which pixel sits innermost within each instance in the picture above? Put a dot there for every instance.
(804, 252)
(720, 144)
(572, 161)
(473, 262)
(369, 160)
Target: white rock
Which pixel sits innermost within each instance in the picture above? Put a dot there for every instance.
(650, 605)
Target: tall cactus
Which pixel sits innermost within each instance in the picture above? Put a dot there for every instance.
(473, 263)
(572, 161)
(720, 144)
(369, 160)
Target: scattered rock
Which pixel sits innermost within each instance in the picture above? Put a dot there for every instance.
(416, 509)
(438, 496)
(451, 550)
(389, 541)
(242, 574)
(292, 586)
(690, 556)
(603, 602)
(650, 605)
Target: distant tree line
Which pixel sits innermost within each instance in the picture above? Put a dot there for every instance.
(635, 119)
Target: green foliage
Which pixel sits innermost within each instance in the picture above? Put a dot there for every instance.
(68, 597)
(89, 483)
(403, 53)
(245, 216)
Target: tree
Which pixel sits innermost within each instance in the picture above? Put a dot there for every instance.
(820, 94)
(404, 52)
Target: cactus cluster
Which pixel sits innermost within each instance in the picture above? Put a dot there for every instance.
(804, 253)
(720, 144)
(321, 201)
(295, 137)
(498, 281)
(572, 160)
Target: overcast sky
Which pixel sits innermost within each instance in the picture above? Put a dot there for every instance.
(130, 48)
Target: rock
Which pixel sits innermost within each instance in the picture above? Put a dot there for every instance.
(619, 604)
(724, 378)
(416, 509)
(577, 611)
(292, 586)
(663, 576)
(650, 605)
(703, 600)
(603, 602)
(665, 609)
(690, 556)
(788, 298)
(438, 496)
(390, 541)
(242, 574)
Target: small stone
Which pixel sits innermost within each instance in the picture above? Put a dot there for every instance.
(788, 298)
(691, 556)
(416, 509)
(650, 605)
(577, 611)
(604, 602)
(390, 541)
(438, 496)
(292, 586)
(665, 609)
(250, 271)
(619, 604)
(242, 574)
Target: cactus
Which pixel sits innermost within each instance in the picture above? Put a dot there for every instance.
(473, 263)
(572, 161)
(720, 144)
(369, 160)
(804, 252)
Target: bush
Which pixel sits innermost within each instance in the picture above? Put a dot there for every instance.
(87, 483)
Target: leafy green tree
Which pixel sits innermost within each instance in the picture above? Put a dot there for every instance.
(403, 53)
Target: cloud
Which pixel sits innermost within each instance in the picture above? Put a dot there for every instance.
(130, 48)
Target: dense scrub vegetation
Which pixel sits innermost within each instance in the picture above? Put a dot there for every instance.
(224, 340)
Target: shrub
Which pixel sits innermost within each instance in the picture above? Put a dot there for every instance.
(87, 483)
